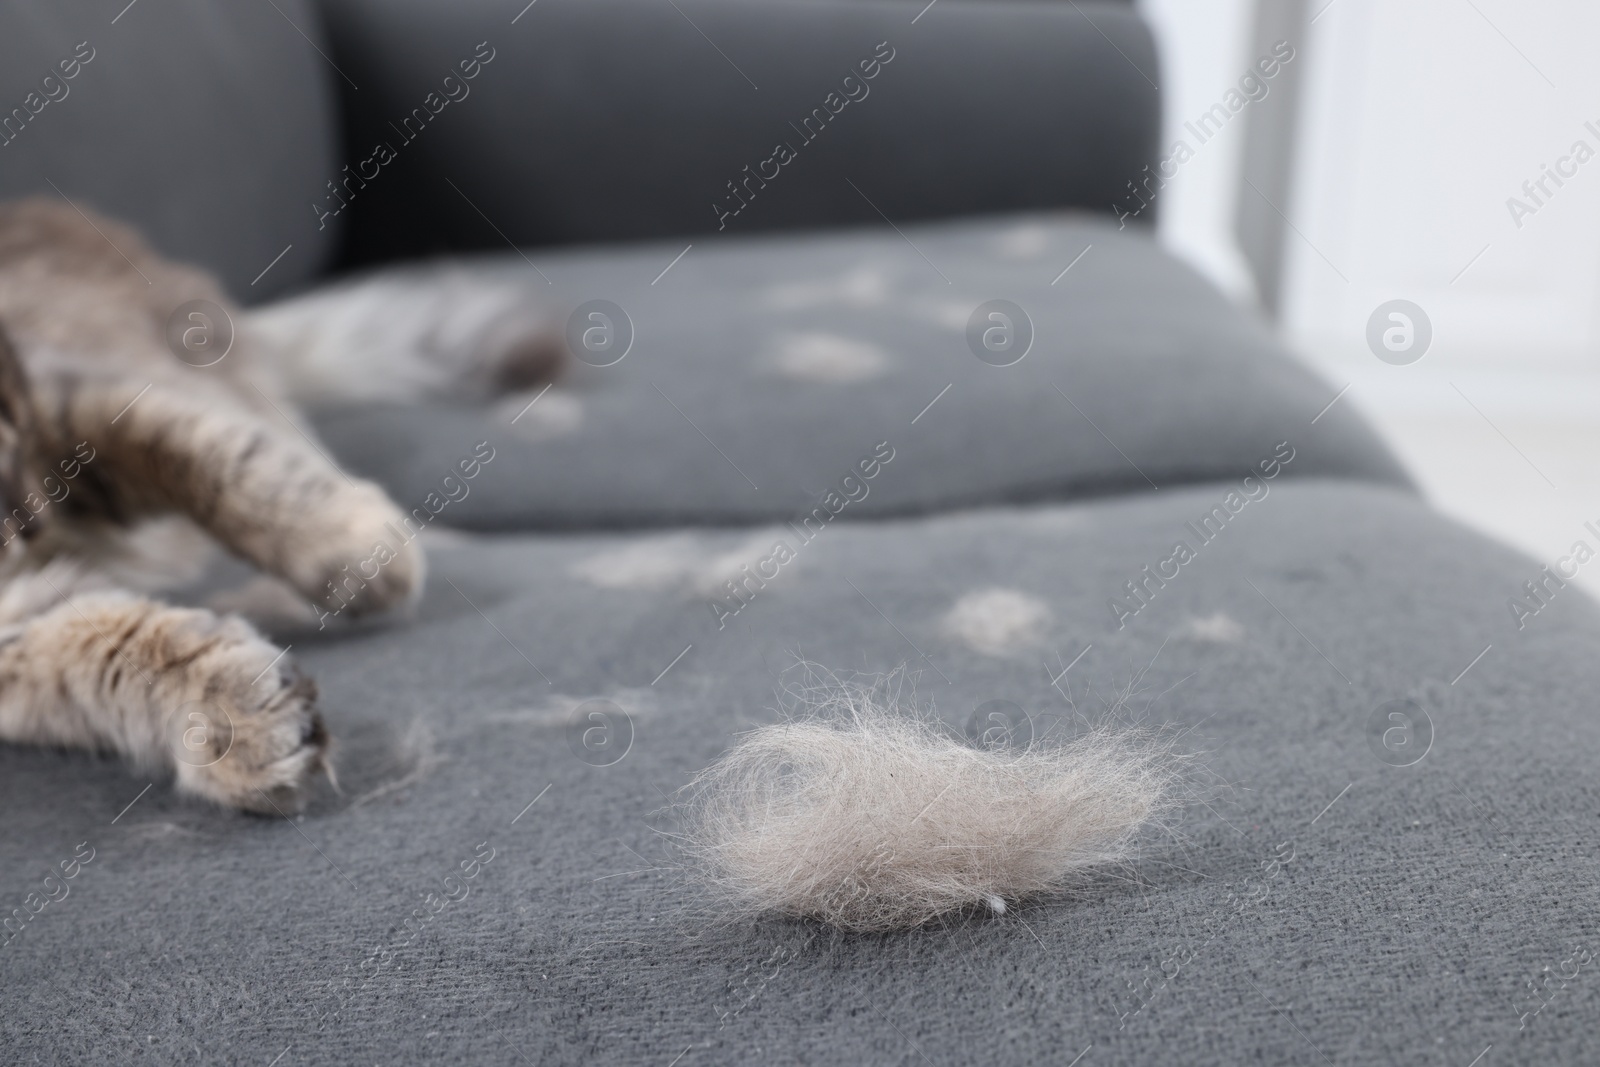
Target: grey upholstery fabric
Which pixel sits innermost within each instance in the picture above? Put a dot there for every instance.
(627, 119)
(1140, 374)
(210, 127)
(1420, 904)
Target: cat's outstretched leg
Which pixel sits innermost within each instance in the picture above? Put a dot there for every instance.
(175, 689)
(255, 483)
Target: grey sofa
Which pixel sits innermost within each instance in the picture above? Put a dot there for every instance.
(1402, 868)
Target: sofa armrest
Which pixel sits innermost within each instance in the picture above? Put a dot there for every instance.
(208, 126)
(622, 119)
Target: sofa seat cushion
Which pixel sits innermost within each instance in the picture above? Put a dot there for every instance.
(762, 369)
(1377, 890)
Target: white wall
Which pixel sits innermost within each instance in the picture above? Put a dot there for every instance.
(1204, 47)
(1422, 118)
(1419, 119)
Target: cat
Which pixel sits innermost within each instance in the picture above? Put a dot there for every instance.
(140, 412)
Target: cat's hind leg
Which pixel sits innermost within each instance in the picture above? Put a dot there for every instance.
(177, 689)
(404, 336)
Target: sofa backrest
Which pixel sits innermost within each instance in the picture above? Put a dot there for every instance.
(479, 123)
(268, 141)
(210, 126)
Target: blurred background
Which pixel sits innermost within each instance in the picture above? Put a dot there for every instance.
(1381, 166)
(1438, 152)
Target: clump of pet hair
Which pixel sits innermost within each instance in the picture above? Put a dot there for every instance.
(869, 817)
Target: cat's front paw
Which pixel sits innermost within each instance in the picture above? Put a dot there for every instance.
(255, 738)
(359, 557)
